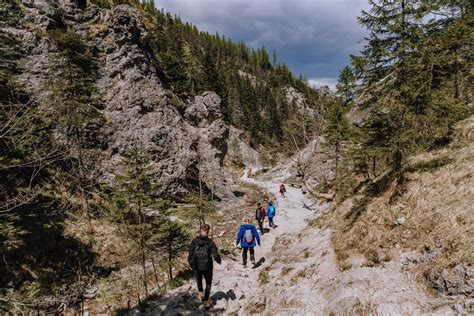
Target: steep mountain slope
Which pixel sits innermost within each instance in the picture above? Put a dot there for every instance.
(136, 106)
(145, 105)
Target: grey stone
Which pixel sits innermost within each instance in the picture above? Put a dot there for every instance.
(400, 221)
(428, 256)
(187, 144)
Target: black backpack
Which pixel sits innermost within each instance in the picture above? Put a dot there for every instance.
(201, 256)
(259, 214)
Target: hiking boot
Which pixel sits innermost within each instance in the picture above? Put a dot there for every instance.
(244, 265)
(208, 303)
(201, 295)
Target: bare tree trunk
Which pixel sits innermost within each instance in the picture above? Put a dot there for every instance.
(374, 164)
(141, 221)
(154, 270)
(170, 267)
(143, 259)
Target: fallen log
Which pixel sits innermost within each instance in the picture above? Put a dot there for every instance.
(323, 196)
(294, 185)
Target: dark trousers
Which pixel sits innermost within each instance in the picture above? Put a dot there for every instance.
(207, 274)
(260, 225)
(244, 254)
(270, 222)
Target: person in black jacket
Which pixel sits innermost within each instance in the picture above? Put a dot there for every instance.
(202, 252)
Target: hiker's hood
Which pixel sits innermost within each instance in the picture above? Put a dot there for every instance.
(203, 238)
(247, 225)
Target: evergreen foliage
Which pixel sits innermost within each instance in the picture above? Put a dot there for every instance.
(413, 77)
(145, 218)
(202, 208)
(346, 84)
(74, 109)
(252, 88)
(172, 240)
(337, 132)
(134, 200)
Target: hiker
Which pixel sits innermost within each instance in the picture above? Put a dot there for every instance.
(202, 252)
(271, 211)
(248, 238)
(282, 190)
(260, 216)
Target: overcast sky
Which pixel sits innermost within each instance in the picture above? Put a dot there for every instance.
(313, 37)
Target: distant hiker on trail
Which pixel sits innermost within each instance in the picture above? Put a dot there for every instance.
(260, 216)
(282, 190)
(248, 238)
(202, 252)
(271, 211)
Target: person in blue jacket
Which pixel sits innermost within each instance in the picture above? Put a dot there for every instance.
(271, 212)
(248, 238)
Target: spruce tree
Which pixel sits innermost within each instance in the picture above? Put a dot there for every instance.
(74, 109)
(393, 27)
(134, 201)
(336, 132)
(172, 240)
(346, 84)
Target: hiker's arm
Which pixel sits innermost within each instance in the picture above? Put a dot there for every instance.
(191, 254)
(255, 232)
(215, 253)
(239, 237)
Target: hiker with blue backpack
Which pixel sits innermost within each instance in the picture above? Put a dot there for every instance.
(271, 211)
(202, 252)
(248, 238)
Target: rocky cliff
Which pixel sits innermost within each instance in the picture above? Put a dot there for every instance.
(186, 138)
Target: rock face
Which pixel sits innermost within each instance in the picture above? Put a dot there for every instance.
(313, 166)
(186, 139)
(458, 281)
(240, 152)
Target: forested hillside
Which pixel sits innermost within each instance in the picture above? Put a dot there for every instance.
(399, 140)
(252, 84)
(409, 86)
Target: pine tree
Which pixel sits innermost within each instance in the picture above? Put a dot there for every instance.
(73, 108)
(336, 132)
(410, 81)
(172, 240)
(393, 27)
(346, 84)
(134, 200)
(202, 209)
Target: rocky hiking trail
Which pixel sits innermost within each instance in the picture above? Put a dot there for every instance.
(297, 273)
(233, 285)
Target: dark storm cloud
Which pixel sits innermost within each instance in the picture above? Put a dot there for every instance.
(315, 38)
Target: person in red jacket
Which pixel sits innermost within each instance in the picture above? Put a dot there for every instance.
(260, 216)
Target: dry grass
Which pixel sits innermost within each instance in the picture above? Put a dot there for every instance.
(286, 270)
(299, 275)
(437, 202)
(263, 277)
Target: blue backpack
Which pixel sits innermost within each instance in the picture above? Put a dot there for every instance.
(270, 211)
(248, 236)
